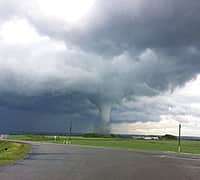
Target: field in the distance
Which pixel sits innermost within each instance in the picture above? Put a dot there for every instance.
(11, 151)
(187, 146)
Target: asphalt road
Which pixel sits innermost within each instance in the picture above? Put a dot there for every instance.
(70, 162)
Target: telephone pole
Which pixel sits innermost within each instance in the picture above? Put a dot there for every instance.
(179, 139)
(70, 132)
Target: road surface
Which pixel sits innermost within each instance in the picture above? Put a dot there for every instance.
(71, 162)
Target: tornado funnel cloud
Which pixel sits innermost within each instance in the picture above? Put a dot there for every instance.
(103, 126)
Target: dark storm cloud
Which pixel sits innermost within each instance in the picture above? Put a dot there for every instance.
(121, 50)
(169, 28)
(39, 113)
(68, 103)
(116, 26)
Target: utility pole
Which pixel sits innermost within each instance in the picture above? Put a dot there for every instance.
(179, 139)
(65, 141)
(70, 129)
(70, 132)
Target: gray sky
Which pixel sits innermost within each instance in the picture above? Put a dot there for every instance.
(61, 59)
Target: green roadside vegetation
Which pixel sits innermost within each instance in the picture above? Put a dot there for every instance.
(12, 151)
(165, 143)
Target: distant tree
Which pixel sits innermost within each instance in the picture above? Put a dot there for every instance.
(168, 137)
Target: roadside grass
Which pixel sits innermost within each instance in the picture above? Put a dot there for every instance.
(187, 146)
(12, 151)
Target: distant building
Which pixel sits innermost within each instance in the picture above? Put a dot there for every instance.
(151, 138)
(3, 136)
(145, 137)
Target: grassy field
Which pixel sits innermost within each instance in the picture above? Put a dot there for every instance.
(156, 145)
(11, 151)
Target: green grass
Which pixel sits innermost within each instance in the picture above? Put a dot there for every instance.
(12, 151)
(154, 145)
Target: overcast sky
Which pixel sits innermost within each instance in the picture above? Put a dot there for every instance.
(61, 60)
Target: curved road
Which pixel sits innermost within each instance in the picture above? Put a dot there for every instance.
(71, 162)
